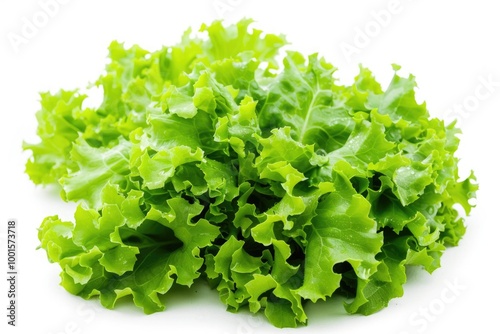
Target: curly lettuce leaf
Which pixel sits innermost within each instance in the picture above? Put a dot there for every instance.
(342, 231)
(107, 255)
(214, 159)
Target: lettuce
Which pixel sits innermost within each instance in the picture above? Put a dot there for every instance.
(209, 160)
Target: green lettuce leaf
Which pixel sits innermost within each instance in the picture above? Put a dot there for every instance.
(223, 159)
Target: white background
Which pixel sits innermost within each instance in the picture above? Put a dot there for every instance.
(452, 47)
